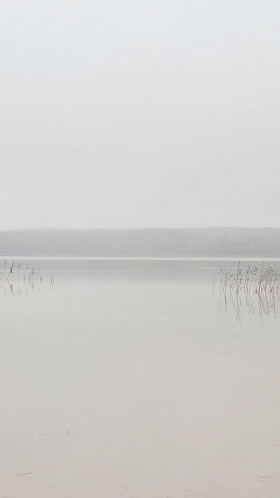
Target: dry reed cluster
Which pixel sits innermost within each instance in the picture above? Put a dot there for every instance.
(258, 288)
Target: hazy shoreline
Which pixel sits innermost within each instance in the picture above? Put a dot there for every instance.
(204, 243)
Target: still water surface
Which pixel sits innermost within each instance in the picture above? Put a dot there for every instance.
(128, 379)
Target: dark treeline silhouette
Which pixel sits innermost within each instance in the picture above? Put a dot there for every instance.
(143, 242)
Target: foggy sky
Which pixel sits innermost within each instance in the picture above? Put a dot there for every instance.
(122, 113)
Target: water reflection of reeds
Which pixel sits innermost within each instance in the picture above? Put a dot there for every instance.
(15, 277)
(255, 287)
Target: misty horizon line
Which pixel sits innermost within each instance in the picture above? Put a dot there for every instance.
(239, 227)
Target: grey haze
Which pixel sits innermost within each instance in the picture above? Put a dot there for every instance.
(120, 113)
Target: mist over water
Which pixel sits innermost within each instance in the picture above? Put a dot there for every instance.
(139, 249)
(132, 380)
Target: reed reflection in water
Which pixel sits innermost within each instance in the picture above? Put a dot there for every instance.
(255, 287)
(17, 276)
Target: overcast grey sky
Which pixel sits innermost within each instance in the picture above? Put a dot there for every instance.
(139, 113)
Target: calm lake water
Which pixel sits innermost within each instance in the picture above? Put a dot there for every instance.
(131, 379)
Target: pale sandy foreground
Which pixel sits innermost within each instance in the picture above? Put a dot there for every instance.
(136, 385)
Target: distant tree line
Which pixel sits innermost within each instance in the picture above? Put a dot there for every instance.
(143, 242)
